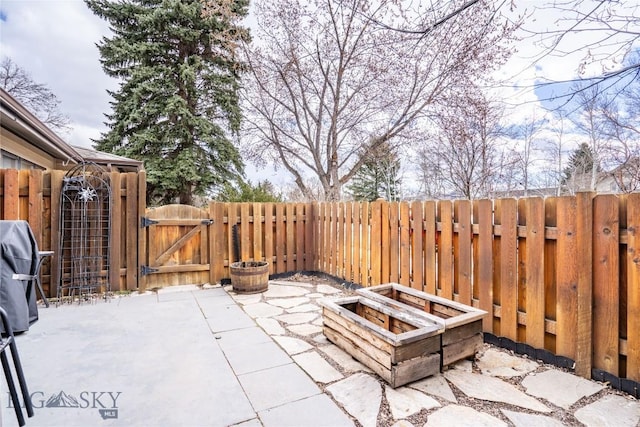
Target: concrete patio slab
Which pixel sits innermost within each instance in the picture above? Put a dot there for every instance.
(269, 388)
(228, 318)
(255, 357)
(242, 337)
(315, 411)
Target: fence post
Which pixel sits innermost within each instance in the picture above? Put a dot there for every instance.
(584, 231)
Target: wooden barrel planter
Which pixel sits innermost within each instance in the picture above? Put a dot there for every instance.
(250, 277)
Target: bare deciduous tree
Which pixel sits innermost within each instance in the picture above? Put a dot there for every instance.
(464, 154)
(605, 33)
(330, 83)
(36, 97)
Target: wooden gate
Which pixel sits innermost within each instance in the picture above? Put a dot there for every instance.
(177, 246)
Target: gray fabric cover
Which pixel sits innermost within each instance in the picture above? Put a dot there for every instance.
(18, 254)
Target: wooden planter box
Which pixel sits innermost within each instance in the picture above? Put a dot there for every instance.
(462, 335)
(401, 347)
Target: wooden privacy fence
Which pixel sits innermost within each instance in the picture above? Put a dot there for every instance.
(561, 274)
(34, 196)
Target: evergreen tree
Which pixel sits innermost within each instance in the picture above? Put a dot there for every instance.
(378, 176)
(177, 105)
(263, 192)
(580, 164)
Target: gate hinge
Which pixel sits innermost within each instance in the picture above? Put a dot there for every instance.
(146, 222)
(207, 222)
(145, 270)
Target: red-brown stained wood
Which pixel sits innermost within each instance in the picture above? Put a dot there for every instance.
(291, 237)
(357, 253)
(34, 188)
(246, 248)
(606, 277)
(217, 249)
(534, 271)
(633, 286)
(365, 266)
(56, 189)
(310, 237)
(405, 244)
(417, 244)
(445, 249)
(340, 223)
(115, 253)
(268, 235)
(484, 261)
(133, 222)
(258, 233)
(566, 277)
(348, 242)
(376, 242)
(584, 314)
(390, 243)
(463, 251)
(508, 269)
(430, 248)
(11, 195)
(300, 234)
(141, 201)
(281, 239)
(522, 266)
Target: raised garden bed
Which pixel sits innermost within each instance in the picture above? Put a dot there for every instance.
(462, 336)
(399, 346)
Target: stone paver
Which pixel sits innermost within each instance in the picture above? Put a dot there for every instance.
(262, 309)
(493, 389)
(327, 290)
(501, 364)
(304, 308)
(349, 393)
(270, 326)
(456, 415)
(292, 345)
(610, 411)
(290, 283)
(342, 358)
(280, 291)
(318, 368)
(297, 318)
(522, 419)
(247, 299)
(436, 386)
(305, 330)
(405, 401)
(560, 388)
(288, 302)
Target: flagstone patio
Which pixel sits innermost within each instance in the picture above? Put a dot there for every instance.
(196, 356)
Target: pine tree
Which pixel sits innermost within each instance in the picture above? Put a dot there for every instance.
(263, 192)
(177, 105)
(580, 164)
(378, 177)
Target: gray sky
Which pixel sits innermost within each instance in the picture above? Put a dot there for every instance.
(54, 40)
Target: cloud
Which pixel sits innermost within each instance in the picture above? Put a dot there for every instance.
(55, 42)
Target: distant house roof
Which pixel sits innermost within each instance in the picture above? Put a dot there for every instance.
(108, 159)
(16, 119)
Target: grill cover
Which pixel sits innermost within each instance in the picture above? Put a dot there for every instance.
(18, 254)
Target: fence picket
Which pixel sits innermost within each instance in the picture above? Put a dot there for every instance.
(633, 286)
